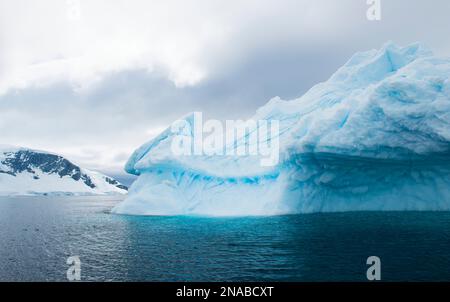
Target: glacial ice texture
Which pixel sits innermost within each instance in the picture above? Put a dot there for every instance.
(375, 136)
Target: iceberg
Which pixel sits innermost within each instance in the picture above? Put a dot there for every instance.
(374, 137)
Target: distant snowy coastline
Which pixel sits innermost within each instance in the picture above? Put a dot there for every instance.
(27, 172)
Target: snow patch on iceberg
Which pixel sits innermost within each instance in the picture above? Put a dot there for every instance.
(375, 136)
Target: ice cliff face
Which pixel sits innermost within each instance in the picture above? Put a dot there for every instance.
(375, 136)
(30, 172)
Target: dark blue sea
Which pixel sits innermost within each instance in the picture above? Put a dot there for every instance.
(37, 235)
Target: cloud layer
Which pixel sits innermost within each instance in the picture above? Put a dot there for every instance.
(94, 81)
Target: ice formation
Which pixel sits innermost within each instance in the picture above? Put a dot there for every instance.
(375, 136)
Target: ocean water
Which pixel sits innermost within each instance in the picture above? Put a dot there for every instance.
(37, 235)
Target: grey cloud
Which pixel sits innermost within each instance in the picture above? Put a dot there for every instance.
(118, 111)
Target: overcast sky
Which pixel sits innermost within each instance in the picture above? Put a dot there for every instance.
(96, 81)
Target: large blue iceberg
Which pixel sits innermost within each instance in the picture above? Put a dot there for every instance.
(374, 137)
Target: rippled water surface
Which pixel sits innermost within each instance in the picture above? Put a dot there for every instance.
(37, 235)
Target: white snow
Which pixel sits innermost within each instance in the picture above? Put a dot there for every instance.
(24, 183)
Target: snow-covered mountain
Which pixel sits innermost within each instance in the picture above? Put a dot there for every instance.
(31, 172)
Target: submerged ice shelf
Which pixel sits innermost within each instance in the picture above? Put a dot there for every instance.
(375, 136)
